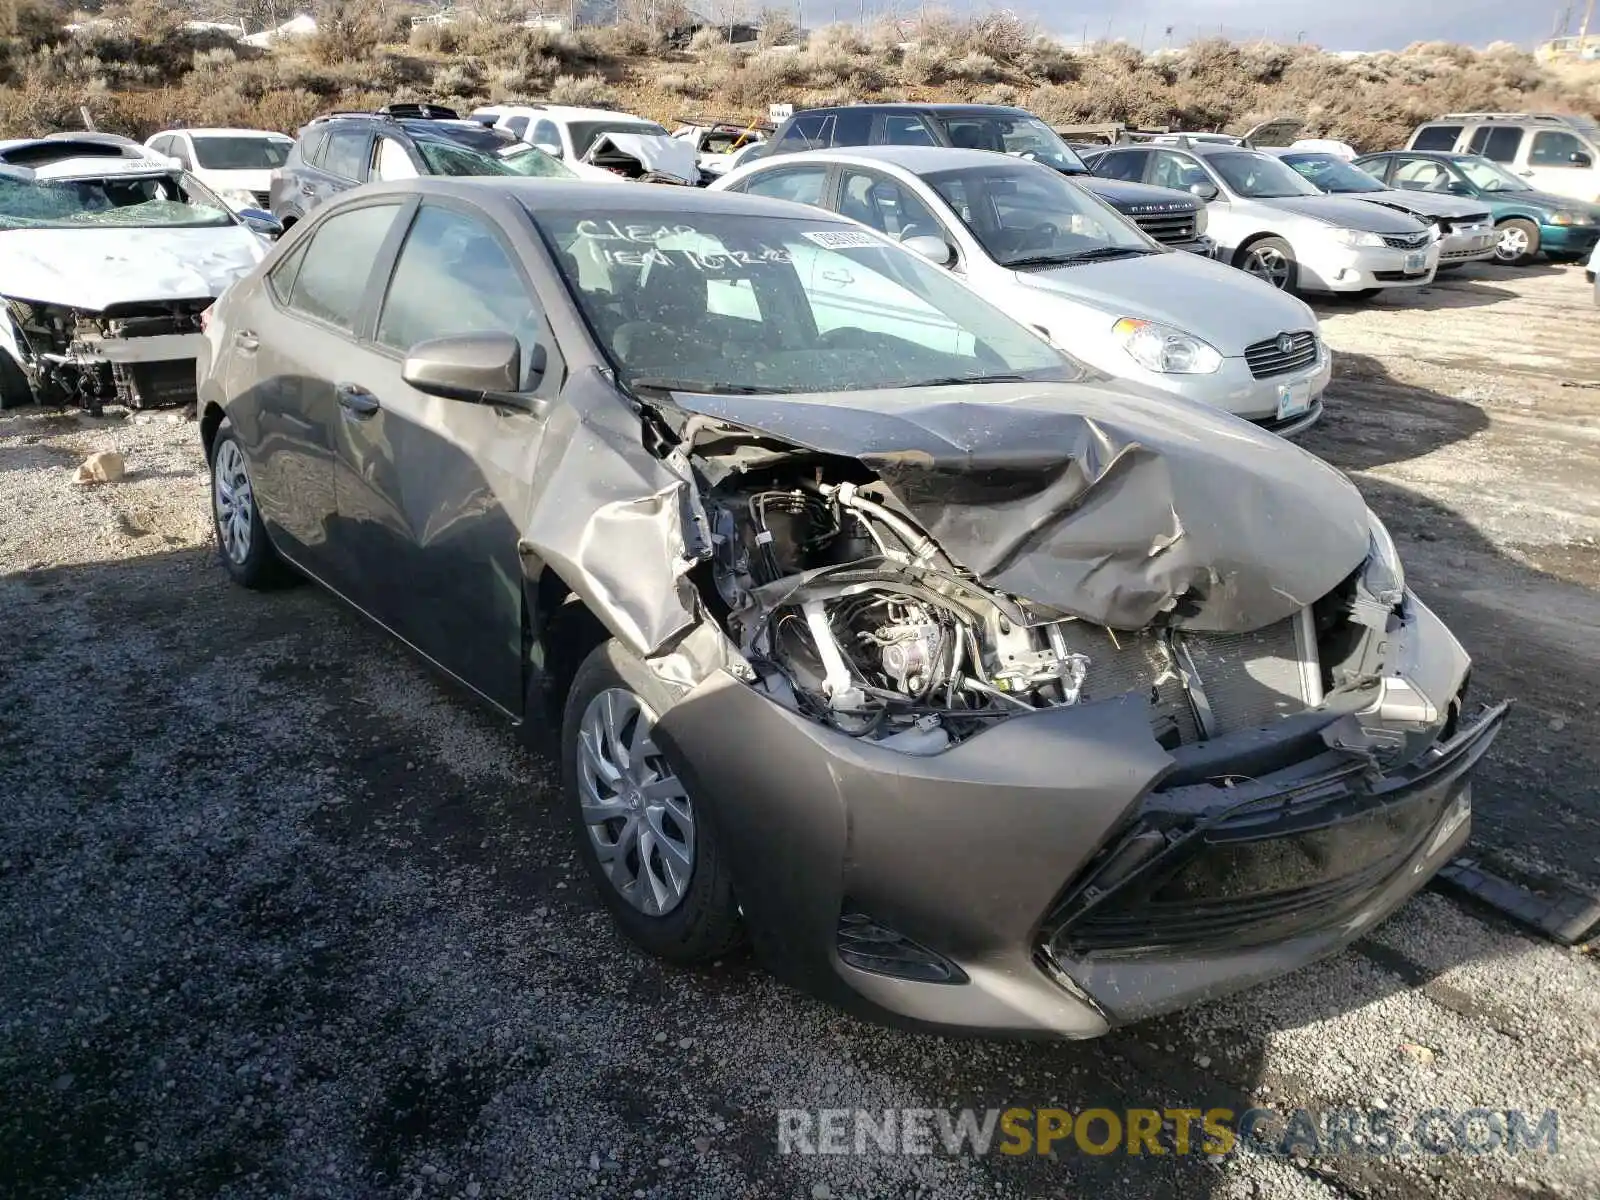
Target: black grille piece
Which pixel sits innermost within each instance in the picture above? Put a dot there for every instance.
(1168, 227)
(1282, 354)
(1237, 882)
(263, 200)
(1277, 424)
(868, 946)
(1252, 679)
(1405, 241)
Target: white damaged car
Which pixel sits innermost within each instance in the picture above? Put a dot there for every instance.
(108, 259)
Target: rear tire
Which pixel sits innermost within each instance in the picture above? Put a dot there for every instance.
(1271, 260)
(241, 537)
(15, 390)
(613, 769)
(1518, 243)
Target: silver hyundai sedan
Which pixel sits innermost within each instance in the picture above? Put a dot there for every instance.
(979, 695)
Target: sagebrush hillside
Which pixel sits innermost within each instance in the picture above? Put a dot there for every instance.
(145, 71)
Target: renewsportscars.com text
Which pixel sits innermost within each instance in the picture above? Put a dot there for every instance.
(1215, 1132)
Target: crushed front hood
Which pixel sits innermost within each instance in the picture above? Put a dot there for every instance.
(1347, 212)
(1117, 508)
(93, 268)
(1430, 204)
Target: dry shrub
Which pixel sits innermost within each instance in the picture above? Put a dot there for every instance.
(925, 65)
(1048, 60)
(706, 39)
(630, 39)
(778, 28)
(1000, 93)
(438, 39)
(976, 67)
(1002, 35)
(585, 91)
(347, 32)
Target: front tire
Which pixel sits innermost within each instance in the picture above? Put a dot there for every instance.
(241, 537)
(653, 853)
(1518, 243)
(1271, 260)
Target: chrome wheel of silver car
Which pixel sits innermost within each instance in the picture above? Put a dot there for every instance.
(234, 501)
(637, 813)
(1269, 264)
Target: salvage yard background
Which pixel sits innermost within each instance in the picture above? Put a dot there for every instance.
(282, 915)
(140, 69)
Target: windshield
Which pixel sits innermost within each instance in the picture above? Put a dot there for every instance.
(1259, 176)
(240, 153)
(1017, 134)
(169, 201)
(501, 158)
(1490, 176)
(712, 302)
(1025, 216)
(1330, 174)
(585, 132)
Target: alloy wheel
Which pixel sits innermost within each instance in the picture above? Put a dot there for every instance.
(234, 501)
(635, 809)
(1270, 265)
(1513, 244)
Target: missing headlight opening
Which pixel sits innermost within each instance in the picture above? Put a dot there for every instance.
(852, 615)
(136, 355)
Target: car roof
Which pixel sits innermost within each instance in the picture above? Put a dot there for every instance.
(221, 131)
(919, 160)
(564, 112)
(929, 106)
(1436, 155)
(599, 198)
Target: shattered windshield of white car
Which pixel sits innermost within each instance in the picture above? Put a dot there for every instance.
(146, 202)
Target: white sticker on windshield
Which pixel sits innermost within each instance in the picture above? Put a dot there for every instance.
(840, 239)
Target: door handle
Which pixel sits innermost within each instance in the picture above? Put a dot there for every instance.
(307, 190)
(1526, 174)
(246, 341)
(355, 400)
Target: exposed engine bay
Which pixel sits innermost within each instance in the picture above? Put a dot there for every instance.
(136, 355)
(850, 613)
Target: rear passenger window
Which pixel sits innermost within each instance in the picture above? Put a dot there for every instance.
(1437, 137)
(333, 273)
(803, 185)
(808, 132)
(1498, 142)
(904, 131)
(346, 155)
(1119, 164)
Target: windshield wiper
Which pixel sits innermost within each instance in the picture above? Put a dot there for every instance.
(1098, 253)
(953, 380)
(705, 387)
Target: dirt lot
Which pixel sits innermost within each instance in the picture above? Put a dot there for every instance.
(281, 915)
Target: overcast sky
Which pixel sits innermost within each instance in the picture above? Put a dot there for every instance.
(1336, 25)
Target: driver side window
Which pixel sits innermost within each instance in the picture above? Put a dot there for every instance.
(1421, 175)
(392, 161)
(546, 135)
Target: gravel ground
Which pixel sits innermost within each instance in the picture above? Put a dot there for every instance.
(282, 915)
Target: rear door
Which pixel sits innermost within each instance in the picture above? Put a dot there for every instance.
(1498, 142)
(341, 166)
(429, 490)
(284, 347)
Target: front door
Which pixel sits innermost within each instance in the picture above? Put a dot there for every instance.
(430, 491)
(1562, 163)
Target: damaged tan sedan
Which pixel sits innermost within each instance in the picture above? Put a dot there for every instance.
(979, 693)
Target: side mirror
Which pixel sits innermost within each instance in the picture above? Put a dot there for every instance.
(1457, 188)
(935, 249)
(479, 368)
(260, 221)
(1580, 159)
(1205, 190)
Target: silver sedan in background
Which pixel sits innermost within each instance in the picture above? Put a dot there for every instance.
(1277, 226)
(1051, 254)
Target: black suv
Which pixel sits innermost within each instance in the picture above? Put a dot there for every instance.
(341, 150)
(1171, 217)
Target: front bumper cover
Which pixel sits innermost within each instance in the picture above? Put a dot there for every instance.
(983, 855)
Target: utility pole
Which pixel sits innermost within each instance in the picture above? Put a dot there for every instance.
(1583, 30)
